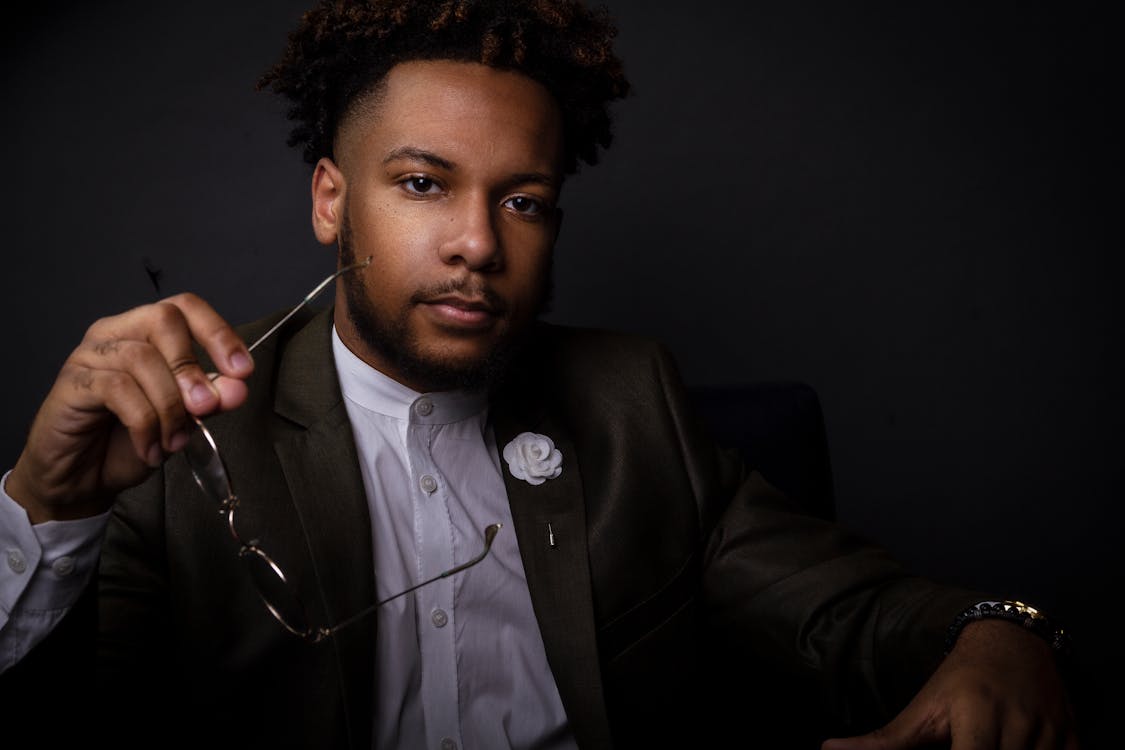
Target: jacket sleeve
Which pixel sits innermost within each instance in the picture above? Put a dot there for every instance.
(824, 607)
(823, 610)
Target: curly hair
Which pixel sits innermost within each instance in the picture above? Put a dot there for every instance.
(343, 49)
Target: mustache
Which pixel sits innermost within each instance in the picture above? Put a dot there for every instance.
(463, 287)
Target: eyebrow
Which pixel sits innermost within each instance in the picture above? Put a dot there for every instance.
(533, 177)
(414, 153)
(418, 154)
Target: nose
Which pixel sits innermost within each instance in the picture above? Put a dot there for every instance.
(472, 239)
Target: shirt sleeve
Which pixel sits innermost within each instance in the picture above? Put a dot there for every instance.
(43, 570)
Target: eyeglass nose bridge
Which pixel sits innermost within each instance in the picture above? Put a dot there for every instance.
(229, 505)
(227, 508)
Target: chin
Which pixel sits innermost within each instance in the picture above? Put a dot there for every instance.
(458, 354)
(460, 367)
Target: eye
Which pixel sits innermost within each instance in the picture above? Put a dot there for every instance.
(525, 205)
(419, 185)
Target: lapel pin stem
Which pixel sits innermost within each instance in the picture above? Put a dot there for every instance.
(550, 535)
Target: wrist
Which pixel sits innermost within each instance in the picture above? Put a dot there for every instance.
(1018, 613)
(15, 487)
(22, 492)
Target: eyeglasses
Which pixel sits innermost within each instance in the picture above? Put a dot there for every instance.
(273, 587)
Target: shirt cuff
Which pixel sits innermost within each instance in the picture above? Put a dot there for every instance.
(44, 566)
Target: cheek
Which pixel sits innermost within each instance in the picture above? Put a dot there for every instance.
(389, 228)
(537, 254)
(398, 247)
(529, 271)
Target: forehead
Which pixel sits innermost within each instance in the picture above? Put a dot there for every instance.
(461, 111)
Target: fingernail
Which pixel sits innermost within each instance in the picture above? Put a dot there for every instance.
(201, 394)
(240, 361)
(155, 455)
(178, 441)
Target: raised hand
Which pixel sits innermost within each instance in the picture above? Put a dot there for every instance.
(121, 405)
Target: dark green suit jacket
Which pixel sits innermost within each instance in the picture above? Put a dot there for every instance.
(672, 565)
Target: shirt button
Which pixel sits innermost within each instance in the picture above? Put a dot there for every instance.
(448, 743)
(428, 484)
(424, 407)
(16, 560)
(439, 619)
(64, 566)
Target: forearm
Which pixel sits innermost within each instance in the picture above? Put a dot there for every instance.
(825, 608)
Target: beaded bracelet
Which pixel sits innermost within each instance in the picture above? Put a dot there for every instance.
(1013, 611)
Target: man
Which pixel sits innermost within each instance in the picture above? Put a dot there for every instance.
(369, 446)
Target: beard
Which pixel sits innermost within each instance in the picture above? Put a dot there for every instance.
(399, 346)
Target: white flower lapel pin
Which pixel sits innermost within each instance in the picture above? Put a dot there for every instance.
(533, 458)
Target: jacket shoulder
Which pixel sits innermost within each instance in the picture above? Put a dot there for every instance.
(601, 355)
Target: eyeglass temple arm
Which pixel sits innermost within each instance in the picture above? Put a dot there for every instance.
(308, 298)
(489, 535)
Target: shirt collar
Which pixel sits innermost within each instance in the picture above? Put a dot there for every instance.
(376, 392)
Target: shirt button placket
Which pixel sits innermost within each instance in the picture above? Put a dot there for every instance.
(434, 553)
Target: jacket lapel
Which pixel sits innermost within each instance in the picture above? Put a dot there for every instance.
(322, 471)
(558, 576)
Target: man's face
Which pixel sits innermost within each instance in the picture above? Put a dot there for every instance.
(449, 179)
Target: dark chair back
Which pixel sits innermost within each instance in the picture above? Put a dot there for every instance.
(778, 428)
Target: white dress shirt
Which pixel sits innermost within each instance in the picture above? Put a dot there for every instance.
(460, 663)
(43, 570)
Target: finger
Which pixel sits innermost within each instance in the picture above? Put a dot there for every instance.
(225, 348)
(162, 329)
(118, 393)
(877, 740)
(915, 726)
(171, 331)
(232, 392)
(172, 327)
(148, 370)
(140, 418)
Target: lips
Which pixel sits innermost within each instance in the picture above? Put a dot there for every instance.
(455, 311)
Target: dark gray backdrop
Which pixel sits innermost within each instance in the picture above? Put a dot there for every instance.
(915, 211)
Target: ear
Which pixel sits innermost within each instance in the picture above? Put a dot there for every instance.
(328, 190)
